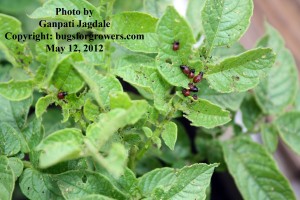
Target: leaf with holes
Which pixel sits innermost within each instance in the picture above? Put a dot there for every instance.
(231, 101)
(140, 71)
(13, 50)
(240, 73)
(172, 27)
(39, 186)
(225, 21)
(108, 123)
(203, 113)
(167, 183)
(101, 86)
(78, 184)
(60, 146)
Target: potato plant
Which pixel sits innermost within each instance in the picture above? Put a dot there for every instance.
(112, 124)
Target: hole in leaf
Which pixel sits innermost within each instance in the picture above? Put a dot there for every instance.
(173, 91)
(84, 178)
(168, 60)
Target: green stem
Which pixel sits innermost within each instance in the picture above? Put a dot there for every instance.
(132, 156)
(156, 133)
(27, 164)
(95, 154)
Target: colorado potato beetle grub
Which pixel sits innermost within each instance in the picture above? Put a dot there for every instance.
(194, 89)
(198, 78)
(195, 97)
(186, 92)
(192, 73)
(175, 45)
(191, 85)
(185, 69)
(62, 95)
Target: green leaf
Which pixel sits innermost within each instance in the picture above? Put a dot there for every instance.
(203, 113)
(148, 132)
(251, 165)
(144, 24)
(110, 122)
(39, 186)
(231, 101)
(91, 110)
(16, 90)
(193, 15)
(78, 184)
(101, 86)
(140, 71)
(279, 88)
(158, 178)
(240, 73)
(120, 100)
(48, 60)
(7, 180)
(297, 101)
(251, 112)
(167, 183)
(116, 159)
(15, 112)
(48, 11)
(9, 140)
(66, 78)
(227, 51)
(169, 134)
(128, 182)
(16, 166)
(269, 135)
(156, 8)
(181, 150)
(288, 126)
(33, 133)
(225, 21)
(60, 146)
(42, 104)
(52, 121)
(172, 27)
(12, 49)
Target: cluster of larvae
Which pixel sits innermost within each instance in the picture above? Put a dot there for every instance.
(191, 75)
